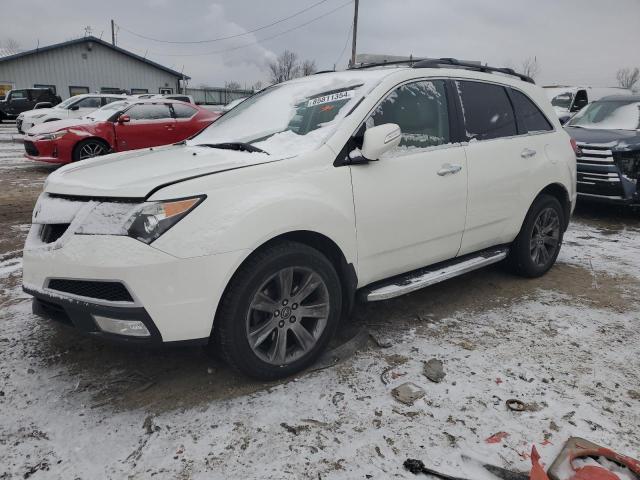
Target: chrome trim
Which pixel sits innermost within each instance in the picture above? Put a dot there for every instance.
(430, 278)
(609, 197)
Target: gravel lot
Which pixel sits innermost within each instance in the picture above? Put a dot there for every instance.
(565, 344)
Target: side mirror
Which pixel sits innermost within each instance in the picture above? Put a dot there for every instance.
(124, 119)
(380, 139)
(42, 105)
(74, 108)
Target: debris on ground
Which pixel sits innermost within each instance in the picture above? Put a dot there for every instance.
(407, 393)
(434, 370)
(497, 437)
(380, 341)
(342, 352)
(581, 459)
(417, 466)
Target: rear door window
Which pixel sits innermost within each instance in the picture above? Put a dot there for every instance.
(530, 118)
(420, 110)
(183, 111)
(149, 111)
(486, 110)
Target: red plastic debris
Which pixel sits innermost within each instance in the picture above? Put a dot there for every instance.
(498, 381)
(497, 437)
(537, 472)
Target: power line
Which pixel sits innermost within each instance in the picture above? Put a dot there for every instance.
(228, 36)
(345, 45)
(217, 52)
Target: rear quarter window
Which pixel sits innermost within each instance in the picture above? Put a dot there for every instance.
(486, 110)
(529, 117)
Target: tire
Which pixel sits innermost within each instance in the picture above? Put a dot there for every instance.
(255, 311)
(99, 147)
(535, 249)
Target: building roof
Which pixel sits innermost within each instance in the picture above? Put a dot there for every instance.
(13, 56)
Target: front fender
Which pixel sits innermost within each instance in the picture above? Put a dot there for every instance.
(247, 207)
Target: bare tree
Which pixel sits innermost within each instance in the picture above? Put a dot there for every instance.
(257, 86)
(11, 45)
(232, 86)
(308, 67)
(531, 67)
(628, 77)
(285, 67)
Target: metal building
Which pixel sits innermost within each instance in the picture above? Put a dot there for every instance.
(87, 65)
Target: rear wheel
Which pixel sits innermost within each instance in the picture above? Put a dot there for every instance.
(279, 311)
(537, 246)
(89, 148)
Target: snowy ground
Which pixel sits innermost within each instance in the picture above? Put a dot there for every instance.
(565, 344)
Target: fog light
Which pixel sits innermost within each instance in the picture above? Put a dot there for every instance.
(131, 328)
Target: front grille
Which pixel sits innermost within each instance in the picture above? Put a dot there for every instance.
(111, 291)
(30, 148)
(594, 154)
(52, 231)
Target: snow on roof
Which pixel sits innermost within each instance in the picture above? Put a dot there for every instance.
(15, 55)
(7, 52)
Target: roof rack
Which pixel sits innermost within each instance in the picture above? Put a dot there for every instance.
(448, 62)
(452, 62)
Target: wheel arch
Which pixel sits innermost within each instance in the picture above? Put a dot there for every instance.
(90, 137)
(325, 245)
(558, 191)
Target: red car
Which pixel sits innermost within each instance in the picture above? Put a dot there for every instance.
(116, 127)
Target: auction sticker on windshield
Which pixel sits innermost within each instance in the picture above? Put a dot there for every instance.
(334, 97)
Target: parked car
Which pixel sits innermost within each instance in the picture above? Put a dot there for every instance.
(566, 100)
(74, 107)
(233, 103)
(116, 127)
(18, 101)
(182, 98)
(607, 133)
(256, 236)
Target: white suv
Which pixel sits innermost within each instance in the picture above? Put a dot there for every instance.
(256, 236)
(73, 107)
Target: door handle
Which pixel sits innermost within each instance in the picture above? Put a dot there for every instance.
(449, 169)
(528, 153)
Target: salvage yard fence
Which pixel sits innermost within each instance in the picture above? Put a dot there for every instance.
(216, 96)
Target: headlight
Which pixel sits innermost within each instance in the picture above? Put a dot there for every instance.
(54, 135)
(143, 221)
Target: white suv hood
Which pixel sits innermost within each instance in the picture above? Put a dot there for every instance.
(135, 174)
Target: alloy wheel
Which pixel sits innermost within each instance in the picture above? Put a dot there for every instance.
(91, 149)
(545, 237)
(287, 315)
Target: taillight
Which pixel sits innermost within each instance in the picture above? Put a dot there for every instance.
(574, 145)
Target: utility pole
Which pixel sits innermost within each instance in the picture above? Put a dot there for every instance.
(113, 33)
(355, 34)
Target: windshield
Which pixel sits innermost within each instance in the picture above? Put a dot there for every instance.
(290, 118)
(67, 102)
(609, 115)
(563, 100)
(106, 112)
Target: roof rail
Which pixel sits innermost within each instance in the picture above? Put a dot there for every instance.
(409, 61)
(452, 62)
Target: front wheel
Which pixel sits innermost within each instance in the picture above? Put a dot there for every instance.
(279, 311)
(89, 148)
(537, 246)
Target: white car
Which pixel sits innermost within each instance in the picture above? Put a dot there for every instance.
(567, 100)
(256, 235)
(233, 103)
(74, 107)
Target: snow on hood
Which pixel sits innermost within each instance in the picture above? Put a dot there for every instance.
(49, 127)
(135, 174)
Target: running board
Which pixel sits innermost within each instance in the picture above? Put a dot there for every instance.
(424, 277)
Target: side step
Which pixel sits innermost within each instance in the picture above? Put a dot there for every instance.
(417, 279)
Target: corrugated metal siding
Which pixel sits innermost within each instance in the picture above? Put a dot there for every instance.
(102, 67)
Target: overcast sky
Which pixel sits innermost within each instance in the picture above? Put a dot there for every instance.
(575, 41)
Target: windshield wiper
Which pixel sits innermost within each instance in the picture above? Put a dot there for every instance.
(238, 146)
